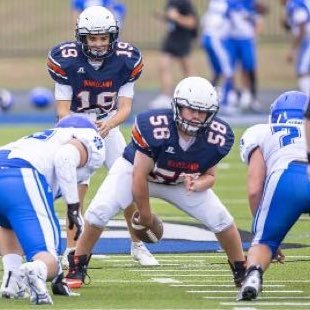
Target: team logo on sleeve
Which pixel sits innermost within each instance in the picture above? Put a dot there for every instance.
(98, 142)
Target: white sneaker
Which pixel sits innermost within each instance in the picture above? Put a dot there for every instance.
(13, 286)
(251, 286)
(162, 101)
(64, 259)
(38, 291)
(142, 255)
(245, 100)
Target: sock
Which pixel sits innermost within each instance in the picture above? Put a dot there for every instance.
(12, 262)
(41, 268)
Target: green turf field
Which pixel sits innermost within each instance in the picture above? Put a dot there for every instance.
(188, 281)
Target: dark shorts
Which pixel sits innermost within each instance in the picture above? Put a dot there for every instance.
(177, 47)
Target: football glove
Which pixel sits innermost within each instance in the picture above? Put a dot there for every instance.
(75, 219)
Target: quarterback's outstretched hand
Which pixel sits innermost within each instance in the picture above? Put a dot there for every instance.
(103, 128)
(75, 219)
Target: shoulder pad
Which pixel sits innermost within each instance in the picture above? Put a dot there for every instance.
(250, 140)
(58, 61)
(133, 59)
(94, 145)
(222, 135)
(151, 130)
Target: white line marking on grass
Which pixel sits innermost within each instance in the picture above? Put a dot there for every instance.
(258, 303)
(142, 268)
(259, 298)
(183, 270)
(166, 280)
(286, 281)
(123, 281)
(187, 275)
(265, 291)
(125, 309)
(221, 285)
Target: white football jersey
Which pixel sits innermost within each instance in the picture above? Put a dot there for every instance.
(279, 143)
(215, 22)
(39, 150)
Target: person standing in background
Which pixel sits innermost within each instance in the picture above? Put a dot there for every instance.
(215, 27)
(246, 23)
(182, 28)
(298, 19)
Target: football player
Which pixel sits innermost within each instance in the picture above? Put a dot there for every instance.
(95, 75)
(215, 29)
(245, 24)
(298, 18)
(278, 185)
(173, 156)
(34, 170)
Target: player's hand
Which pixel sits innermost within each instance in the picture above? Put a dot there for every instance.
(103, 128)
(189, 183)
(192, 183)
(279, 257)
(173, 14)
(141, 221)
(75, 219)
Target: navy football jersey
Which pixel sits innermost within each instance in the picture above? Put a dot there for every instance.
(93, 88)
(155, 134)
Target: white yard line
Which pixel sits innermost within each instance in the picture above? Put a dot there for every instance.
(187, 275)
(265, 291)
(183, 270)
(221, 285)
(259, 303)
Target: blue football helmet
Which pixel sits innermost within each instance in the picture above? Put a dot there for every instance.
(76, 121)
(290, 105)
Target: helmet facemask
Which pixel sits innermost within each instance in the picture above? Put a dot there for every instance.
(187, 126)
(96, 21)
(96, 54)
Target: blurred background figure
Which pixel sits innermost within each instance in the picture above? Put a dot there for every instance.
(6, 100)
(182, 29)
(117, 8)
(246, 22)
(298, 21)
(41, 97)
(215, 27)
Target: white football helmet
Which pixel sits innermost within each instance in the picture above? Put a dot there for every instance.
(195, 93)
(96, 20)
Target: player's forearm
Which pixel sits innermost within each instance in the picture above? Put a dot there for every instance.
(187, 21)
(141, 197)
(121, 115)
(205, 182)
(62, 108)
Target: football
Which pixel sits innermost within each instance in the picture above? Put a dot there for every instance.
(151, 234)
